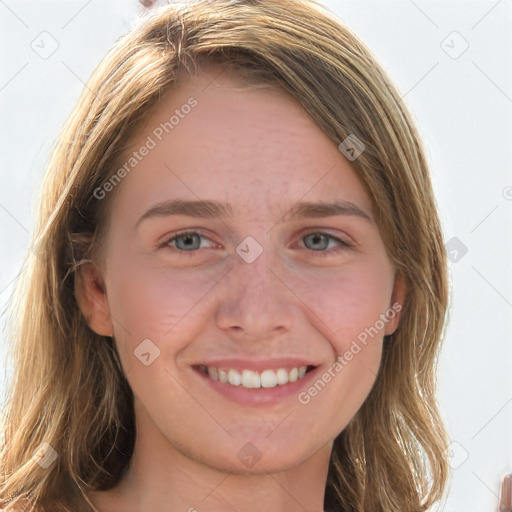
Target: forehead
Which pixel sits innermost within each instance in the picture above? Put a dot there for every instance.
(213, 138)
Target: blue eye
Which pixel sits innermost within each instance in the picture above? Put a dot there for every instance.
(319, 242)
(186, 241)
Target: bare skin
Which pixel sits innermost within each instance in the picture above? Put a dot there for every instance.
(305, 297)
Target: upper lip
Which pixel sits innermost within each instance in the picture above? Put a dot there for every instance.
(257, 365)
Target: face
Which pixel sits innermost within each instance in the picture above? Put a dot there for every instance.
(242, 239)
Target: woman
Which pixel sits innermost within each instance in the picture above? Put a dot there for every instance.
(240, 283)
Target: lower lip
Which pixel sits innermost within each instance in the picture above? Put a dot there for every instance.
(258, 396)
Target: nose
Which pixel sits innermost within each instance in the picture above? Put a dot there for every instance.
(255, 303)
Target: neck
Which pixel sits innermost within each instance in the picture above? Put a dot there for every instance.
(162, 477)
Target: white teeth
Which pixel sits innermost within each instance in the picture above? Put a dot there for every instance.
(282, 376)
(268, 379)
(234, 378)
(251, 379)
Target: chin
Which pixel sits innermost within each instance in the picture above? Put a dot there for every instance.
(259, 457)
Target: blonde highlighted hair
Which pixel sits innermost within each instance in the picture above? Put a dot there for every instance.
(69, 390)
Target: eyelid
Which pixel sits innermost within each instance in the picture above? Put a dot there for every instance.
(307, 229)
(343, 244)
(190, 231)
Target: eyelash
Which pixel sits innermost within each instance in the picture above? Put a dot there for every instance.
(344, 245)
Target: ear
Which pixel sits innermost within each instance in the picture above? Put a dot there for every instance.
(92, 299)
(396, 304)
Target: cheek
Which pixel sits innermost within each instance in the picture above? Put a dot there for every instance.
(148, 300)
(346, 307)
(348, 304)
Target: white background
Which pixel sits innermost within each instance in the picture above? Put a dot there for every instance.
(463, 105)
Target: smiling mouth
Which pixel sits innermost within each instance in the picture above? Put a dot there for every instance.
(252, 379)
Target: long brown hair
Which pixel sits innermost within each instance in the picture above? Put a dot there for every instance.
(69, 390)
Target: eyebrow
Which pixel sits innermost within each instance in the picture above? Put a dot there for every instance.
(303, 210)
(197, 209)
(217, 210)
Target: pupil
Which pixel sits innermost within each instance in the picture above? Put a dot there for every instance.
(318, 239)
(188, 242)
